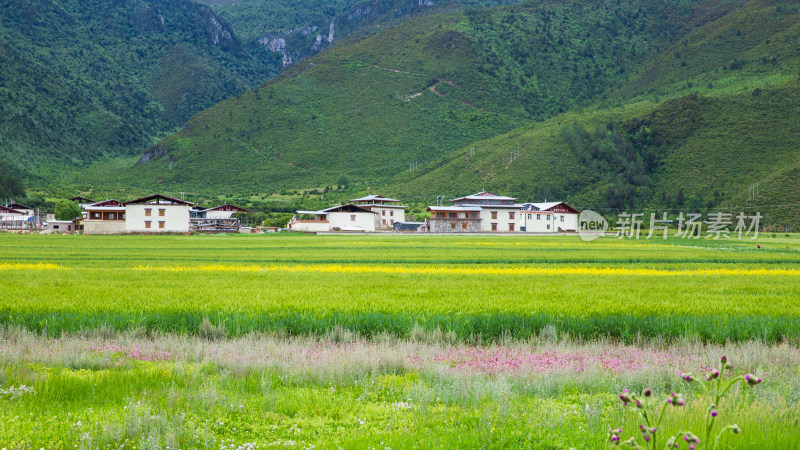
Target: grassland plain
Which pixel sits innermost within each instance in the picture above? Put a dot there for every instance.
(479, 288)
(241, 342)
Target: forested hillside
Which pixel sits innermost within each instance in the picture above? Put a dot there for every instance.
(415, 92)
(712, 116)
(90, 78)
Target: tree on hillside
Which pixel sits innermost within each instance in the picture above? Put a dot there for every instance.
(10, 186)
(344, 182)
(67, 210)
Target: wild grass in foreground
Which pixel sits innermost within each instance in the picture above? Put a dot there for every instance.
(106, 389)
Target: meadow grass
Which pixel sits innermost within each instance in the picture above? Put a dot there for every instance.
(123, 390)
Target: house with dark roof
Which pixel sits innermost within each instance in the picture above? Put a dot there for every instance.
(106, 217)
(388, 210)
(488, 212)
(157, 214)
(338, 218)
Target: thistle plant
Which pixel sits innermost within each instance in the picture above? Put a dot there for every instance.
(714, 388)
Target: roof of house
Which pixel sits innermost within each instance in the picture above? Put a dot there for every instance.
(550, 205)
(18, 207)
(6, 209)
(111, 202)
(340, 208)
(455, 208)
(227, 207)
(374, 197)
(484, 195)
(81, 199)
(159, 199)
(381, 205)
(106, 205)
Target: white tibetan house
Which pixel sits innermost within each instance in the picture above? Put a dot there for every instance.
(8, 213)
(106, 217)
(157, 214)
(338, 218)
(489, 212)
(388, 210)
(549, 217)
(25, 210)
(498, 213)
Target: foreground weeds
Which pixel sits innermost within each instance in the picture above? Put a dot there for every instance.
(105, 389)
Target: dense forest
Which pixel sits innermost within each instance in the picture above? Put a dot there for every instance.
(87, 79)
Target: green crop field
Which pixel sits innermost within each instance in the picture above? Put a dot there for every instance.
(284, 340)
(477, 288)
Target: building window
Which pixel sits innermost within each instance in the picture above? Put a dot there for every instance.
(510, 215)
(147, 212)
(494, 215)
(162, 212)
(463, 225)
(352, 217)
(494, 227)
(511, 227)
(161, 224)
(383, 213)
(391, 221)
(121, 216)
(112, 216)
(538, 217)
(95, 215)
(548, 226)
(391, 213)
(547, 217)
(147, 224)
(452, 215)
(452, 225)
(562, 218)
(383, 221)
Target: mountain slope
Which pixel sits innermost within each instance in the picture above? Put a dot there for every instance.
(367, 108)
(695, 151)
(84, 79)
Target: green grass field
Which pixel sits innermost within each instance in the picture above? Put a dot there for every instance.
(481, 289)
(257, 341)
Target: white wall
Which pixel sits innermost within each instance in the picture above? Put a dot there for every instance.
(568, 223)
(363, 221)
(390, 215)
(311, 226)
(502, 220)
(534, 225)
(176, 218)
(12, 216)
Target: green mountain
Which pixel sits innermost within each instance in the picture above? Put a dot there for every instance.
(416, 92)
(694, 129)
(85, 79)
(636, 104)
(302, 28)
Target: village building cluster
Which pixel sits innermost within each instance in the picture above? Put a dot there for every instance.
(476, 213)
(152, 214)
(483, 212)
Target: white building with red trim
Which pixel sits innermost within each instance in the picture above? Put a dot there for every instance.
(489, 212)
(388, 210)
(560, 216)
